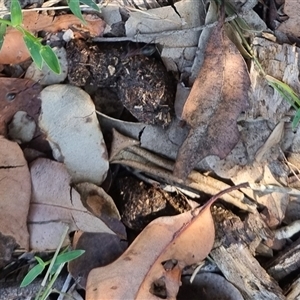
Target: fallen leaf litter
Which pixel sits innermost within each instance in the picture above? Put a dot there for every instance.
(267, 173)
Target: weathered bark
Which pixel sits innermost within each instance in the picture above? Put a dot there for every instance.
(233, 252)
(286, 262)
(281, 62)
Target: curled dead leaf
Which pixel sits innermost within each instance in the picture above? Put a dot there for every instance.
(101, 205)
(188, 238)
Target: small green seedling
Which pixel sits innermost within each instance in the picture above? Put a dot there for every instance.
(40, 53)
(56, 264)
(62, 258)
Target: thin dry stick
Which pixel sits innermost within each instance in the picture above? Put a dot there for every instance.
(154, 36)
(273, 188)
(288, 231)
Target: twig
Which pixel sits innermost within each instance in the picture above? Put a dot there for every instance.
(288, 231)
(152, 36)
(273, 188)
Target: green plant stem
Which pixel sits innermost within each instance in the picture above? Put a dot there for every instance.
(285, 91)
(48, 290)
(7, 22)
(52, 261)
(55, 254)
(248, 48)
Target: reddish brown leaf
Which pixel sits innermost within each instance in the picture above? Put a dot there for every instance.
(218, 96)
(13, 50)
(18, 94)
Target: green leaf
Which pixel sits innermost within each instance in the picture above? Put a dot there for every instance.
(32, 274)
(16, 15)
(2, 33)
(284, 90)
(40, 261)
(288, 94)
(75, 9)
(296, 119)
(34, 48)
(66, 257)
(91, 4)
(50, 59)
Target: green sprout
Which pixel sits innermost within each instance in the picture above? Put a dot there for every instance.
(56, 264)
(39, 53)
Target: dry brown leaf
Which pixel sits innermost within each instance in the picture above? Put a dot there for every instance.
(100, 249)
(95, 198)
(101, 205)
(53, 204)
(179, 241)
(218, 96)
(15, 95)
(15, 190)
(14, 50)
(94, 25)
